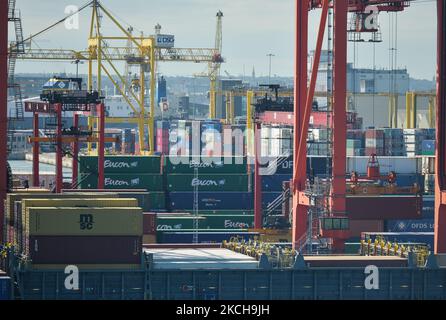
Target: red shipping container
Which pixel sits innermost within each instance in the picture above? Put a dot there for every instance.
(149, 223)
(383, 207)
(358, 226)
(374, 134)
(85, 249)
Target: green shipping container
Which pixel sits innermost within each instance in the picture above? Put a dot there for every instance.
(222, 212)
(122, 164)
(178, 223)
(228, 222)
(214, 182)
(150, 182)
(85, 221)
(206, 165)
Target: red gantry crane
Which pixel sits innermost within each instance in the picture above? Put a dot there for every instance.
(303, 98)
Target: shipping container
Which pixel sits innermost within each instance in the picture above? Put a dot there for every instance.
(85, 221)
(211, 201)
(359, 226)
(149, 223)
(383, 207)
(220, 212)
(228, 222)
(86, 250)
(210, 182)
(121, 164)
(206, 165)
(422, 225)
(6, 288)
(205, 237)
(149, 182)
(164, 223)
(428, 148)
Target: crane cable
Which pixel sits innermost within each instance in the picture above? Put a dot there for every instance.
(57, 23)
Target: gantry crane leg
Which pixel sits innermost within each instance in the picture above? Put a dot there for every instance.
(440, 162)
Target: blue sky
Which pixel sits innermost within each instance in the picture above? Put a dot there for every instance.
(251, 30)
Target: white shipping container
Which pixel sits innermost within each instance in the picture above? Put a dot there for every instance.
(373, 143)
(265, 132)
(275, 133)
(286, 133)
(264, 147)
(274, 147)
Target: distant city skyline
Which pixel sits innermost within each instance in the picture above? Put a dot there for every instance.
(251, 30)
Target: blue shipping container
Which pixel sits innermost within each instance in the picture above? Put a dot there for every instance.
(408, 180)
(428, 210)
(428, 146)
(212, 201)
(5, 288)
(274, 183)
(315, 164)
(205, 237)
(268, 197)
(423, 225)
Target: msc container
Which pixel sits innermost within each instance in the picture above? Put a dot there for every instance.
(423, 225)
(214, 182)
(275, 182)
(211, 201)
(205, 165)
(85, 250)
(6, 292)
(85, 221)
(121, 164)
(12, 198)
(204, 237)
(149, 182)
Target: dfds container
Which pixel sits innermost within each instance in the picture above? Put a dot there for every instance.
(85, 221)
(211, 182)
(275, 182)
(423, 225)
(5, 288)
(150, 182)
(86, 250)
(403, 237)
(121, 164)
(205, 165)
(212, 201)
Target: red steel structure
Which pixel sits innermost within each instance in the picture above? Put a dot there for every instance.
(440, 160)
(303, 97)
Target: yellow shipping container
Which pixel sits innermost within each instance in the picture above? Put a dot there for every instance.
(12, 198)
(84, 221)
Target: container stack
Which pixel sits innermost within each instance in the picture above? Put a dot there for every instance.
(394, 142)
(275, 141)
(374, 142)
(413, 139)
(128, 141)
(224, 199)
(428, 148)
(60, 230)
(126, 173)
(162, 136)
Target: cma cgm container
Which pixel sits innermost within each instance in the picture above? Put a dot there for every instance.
(5, 288)
(205, 165)
(85, 221)
(121, 164)
(211, 182)
(212, 201)
(149, 182)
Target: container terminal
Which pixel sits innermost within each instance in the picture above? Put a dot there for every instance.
(263, 192)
